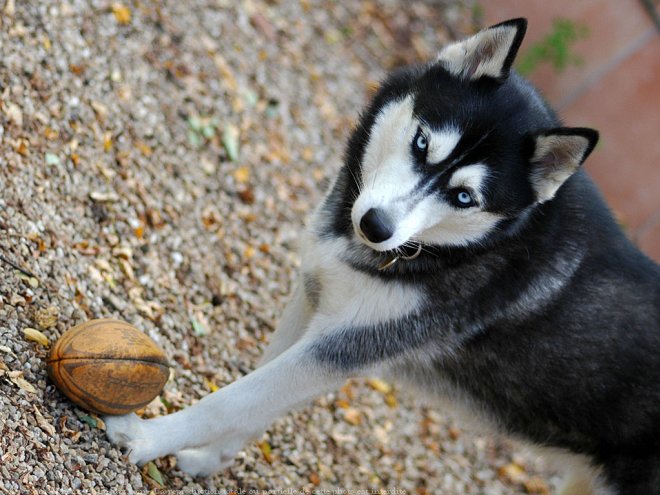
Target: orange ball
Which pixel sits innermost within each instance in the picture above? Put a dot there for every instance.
(108, 367)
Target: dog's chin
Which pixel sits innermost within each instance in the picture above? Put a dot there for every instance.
(396, 242)
(381, 247)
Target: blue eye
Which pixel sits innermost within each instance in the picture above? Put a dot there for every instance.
(463, 199)
(421, 143)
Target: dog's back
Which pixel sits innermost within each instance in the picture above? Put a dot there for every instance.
(573, 361)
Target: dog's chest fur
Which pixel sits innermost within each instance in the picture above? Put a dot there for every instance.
(335, 290)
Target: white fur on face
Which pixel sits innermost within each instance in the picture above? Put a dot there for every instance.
(442, 143)
(389, 180)
(471, 177)
(387, 166)
(388, 172)
(458, 226)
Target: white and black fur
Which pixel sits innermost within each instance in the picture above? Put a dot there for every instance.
(461, 250)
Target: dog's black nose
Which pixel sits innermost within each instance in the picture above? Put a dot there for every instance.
(376, 225)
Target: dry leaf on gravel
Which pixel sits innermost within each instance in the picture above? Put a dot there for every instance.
(10, 8)
(242, 175)
(43, 423)
(7, 350)
(103, 197)
(36, 336)
(14, 113)
(121, 12)
(17, 378)
(379, 385)
(390, 400)
(266, 450)
(536, 486)
(230, 141)
(353, 416)
(154, 474)
(512, 473)
(314, 479)
(46, 318)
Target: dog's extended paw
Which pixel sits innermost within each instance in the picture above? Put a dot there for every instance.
(207, 460)
(129, 433)
(199, 462)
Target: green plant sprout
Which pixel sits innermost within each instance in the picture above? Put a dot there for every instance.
(555, 48)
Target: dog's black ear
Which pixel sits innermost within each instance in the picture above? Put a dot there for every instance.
(558, 153)
(489, 53)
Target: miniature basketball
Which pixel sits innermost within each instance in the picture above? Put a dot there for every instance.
(108, 367)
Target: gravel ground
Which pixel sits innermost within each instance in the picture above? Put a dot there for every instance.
(157, 160)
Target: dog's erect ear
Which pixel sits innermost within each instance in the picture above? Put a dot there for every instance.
(558, 153)
(489, 53)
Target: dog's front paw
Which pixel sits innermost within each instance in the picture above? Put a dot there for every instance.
(200, 462)
(209, 459)
(130, 433)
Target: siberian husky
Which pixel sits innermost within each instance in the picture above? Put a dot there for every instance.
(460, 250)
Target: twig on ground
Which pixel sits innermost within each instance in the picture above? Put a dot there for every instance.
(17, 267)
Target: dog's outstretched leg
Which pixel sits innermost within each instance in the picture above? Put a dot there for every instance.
(222, 422)
(294, 320)
(211, 458)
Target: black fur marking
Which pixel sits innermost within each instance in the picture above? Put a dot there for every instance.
(351, 349)
(312, 287)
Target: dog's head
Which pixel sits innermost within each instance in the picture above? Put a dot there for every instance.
(449, 151)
